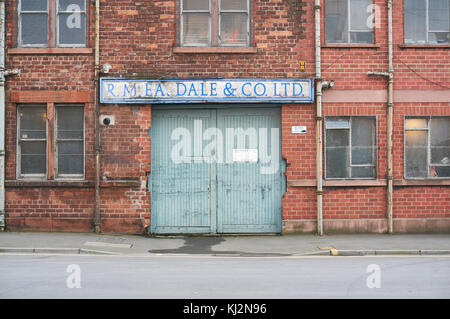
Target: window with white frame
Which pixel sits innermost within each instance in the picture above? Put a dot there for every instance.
(214, 22)
(427, 21)
(51, 23)
(349, 21)
(69, 137)
(350, 147)
(427, 147)
(32, 141)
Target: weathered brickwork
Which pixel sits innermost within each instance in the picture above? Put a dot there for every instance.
(137, 38)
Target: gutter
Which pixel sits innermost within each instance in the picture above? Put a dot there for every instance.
(320, 86)
(3, 74)
(390, 116)
(97, 146)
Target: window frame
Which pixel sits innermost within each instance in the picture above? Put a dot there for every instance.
(349, 30)
(19, 140)
(427, 27)
(51, 163)
(428, 139)
(57, 175)
(349, 163)
(214, 24)
(52, 26)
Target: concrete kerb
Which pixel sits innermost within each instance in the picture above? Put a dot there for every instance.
(394, 252)
(44, 251)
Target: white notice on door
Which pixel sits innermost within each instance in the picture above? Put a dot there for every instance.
(245, 155)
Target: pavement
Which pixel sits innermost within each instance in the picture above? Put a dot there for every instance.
(247, 245)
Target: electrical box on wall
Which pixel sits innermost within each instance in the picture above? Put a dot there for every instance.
(107, 120)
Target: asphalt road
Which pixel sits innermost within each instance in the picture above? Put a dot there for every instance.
(220, 277)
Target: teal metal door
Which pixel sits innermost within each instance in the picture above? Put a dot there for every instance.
(216, 170)
(180, 177)
(250, 185)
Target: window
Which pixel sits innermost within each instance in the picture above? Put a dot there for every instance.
(350, 145)
(32, 141)
(36, 157)
(427, 147)
(214, 23)
(69, 156)
(52, 23)
(427, 21)
(348, 21)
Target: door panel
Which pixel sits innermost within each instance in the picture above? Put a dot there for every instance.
(180, 187)
(249, 193)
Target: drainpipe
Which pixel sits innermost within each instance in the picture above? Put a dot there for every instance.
(3, 74)
(390, 117)
(97, 146)
(320, 86)
(319, 120)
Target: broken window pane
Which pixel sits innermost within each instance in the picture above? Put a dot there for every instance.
(196, 28)
(33, 157)
(34, 28)
(233, 28)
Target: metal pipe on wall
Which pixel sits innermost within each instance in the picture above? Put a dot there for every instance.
(390, 118)
(97, 146)
(3, 74)
(2, 115)
(319, 118)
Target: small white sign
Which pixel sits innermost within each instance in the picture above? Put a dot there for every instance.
(298, 129)
(245, 155)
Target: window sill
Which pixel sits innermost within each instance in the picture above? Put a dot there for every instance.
(422, 182)
(338, 183)
(424, 46)
(350, 46)
(48, 51)
(49, 183)
(219, 50)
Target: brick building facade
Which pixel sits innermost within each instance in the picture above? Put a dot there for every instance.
(48, 188)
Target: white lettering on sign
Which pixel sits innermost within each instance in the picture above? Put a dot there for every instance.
(245, 155)
(138, 91)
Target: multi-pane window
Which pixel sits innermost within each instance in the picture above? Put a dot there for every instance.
(52, 23)
(427, 21)
(350, 144)
(32, 141)
(427, 147)
(57, 148)
(348, 21)
(69, 144)
(214, 22)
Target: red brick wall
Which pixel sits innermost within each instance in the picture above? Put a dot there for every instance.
(137, 38)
